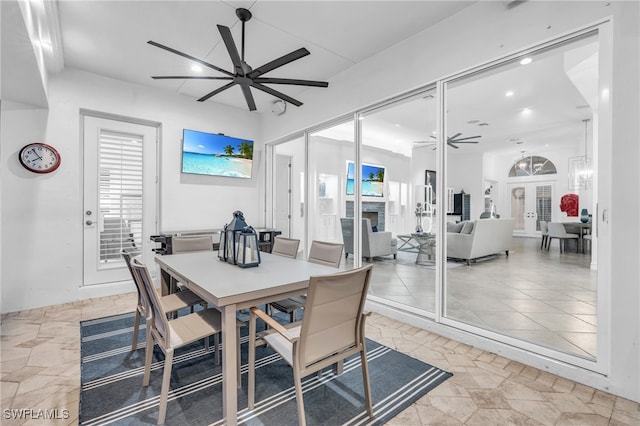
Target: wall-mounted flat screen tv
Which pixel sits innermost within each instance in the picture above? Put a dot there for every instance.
(372, 180)
(216, 154)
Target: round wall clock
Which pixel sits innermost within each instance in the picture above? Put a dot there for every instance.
(39, 157)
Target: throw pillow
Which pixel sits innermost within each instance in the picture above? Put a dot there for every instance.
(467, 228)
(374, 228)
(454, 227)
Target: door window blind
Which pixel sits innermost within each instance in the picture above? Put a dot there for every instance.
(120, 193)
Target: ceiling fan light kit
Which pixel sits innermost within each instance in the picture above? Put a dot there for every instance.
(243, 75)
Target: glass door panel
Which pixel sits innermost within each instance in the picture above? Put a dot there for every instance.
(517, 125)
(398, 161)
(330, 151)
(288, 189)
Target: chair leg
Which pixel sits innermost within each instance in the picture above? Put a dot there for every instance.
(136, 327)
(251, 367)
(216, 348)
(147, 357)
(299, 400)
(166, 377)
(238, 359)
(365, 382)
(560, 241)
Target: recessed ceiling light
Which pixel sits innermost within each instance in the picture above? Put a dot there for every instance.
(526, 61)
(526, 111)
(397, 124)
(196, 68)
(509, 93)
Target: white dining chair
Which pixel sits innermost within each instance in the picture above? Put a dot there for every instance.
(286, 247)
(183, 244)
(332, 329)
(326, 253)
(171, 303)
(176, 333)
(558, 231)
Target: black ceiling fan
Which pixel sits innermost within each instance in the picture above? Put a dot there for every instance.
(243, 75)
(451, 141)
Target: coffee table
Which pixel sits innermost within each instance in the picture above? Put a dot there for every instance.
(426, 242)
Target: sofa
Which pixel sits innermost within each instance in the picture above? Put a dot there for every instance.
(478, 238)
(373, 243)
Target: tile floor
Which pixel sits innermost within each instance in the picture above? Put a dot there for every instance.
(536, 295)
(40, 369)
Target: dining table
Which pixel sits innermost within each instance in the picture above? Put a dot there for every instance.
(230, 288)
(580, 228)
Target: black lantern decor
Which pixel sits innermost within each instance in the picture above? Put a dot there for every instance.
(239, 243)
(222, 247)
(248, 253)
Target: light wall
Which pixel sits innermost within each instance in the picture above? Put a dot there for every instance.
(42, 214)
(479, 34)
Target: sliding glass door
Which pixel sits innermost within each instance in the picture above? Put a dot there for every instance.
(444, 190)
(518, 124)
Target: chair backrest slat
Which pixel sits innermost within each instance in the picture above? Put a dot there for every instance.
(333, 313)
(324, 253)
(158, 315)
(287, 247)
(142, 297)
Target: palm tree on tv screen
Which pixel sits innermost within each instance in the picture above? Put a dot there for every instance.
(228, 150)
(246, 149)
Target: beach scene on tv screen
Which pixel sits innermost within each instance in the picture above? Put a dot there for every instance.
(372, 180)
(216, 155)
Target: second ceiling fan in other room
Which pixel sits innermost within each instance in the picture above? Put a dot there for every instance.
(452, 141)
(243, 75)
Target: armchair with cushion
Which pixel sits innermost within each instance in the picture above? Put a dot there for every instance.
(373, 243)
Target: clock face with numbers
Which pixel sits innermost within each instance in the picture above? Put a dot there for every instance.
(39, 158)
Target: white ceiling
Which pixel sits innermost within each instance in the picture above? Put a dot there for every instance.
(550, 98)
(110, 38)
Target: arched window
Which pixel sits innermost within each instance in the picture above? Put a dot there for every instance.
(532, 166)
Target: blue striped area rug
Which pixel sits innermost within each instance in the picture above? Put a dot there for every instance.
(112, 391)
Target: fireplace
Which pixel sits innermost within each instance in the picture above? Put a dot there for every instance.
(372, 210)
(372, 216)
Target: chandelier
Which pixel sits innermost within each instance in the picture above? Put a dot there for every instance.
(581, 167)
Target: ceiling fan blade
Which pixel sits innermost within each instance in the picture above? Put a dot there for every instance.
(461, 141)
(291, 81)
(453, 137)
(192, 58)
(277, 63)
(189, 77)
(215, 92)
(275, 93)
(225, 32)
(248, 96)
(464, 139)
(452, 145)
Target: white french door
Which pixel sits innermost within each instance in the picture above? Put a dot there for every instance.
(530, 203)
(119, 195)
(282, 189)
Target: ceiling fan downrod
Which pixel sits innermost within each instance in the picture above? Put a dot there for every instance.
(244, 15)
